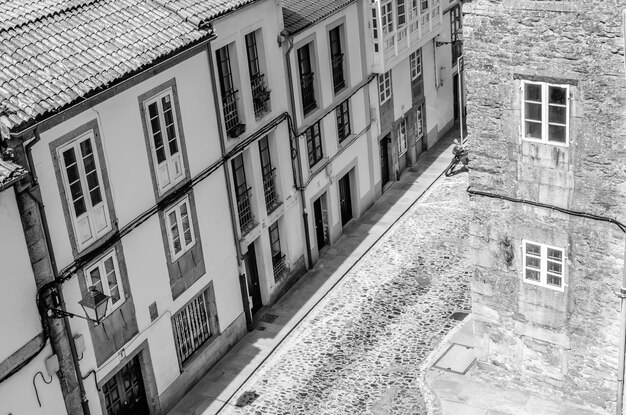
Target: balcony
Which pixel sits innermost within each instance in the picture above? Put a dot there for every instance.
(338, 80)
(231, 115)
(260, 96)
(269, 186)
(396, 45)
(308, 92)
(244, 211)
(278, 263)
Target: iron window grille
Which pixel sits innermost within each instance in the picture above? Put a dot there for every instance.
(307, 87)
(269, 173)
(336, 59)
(343, 120)
(314, 144)
(191, 326)
(260, 95)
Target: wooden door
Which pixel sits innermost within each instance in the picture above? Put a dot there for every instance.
(345, 199)
(124, 393)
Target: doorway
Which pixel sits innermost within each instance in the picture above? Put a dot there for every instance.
(455, 93)
(384, 160)
(252, 274)
(320, 216)
(345, 199)
(124, 393)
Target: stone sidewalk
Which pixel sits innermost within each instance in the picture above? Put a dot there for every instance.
(224, 381)
(468, 394)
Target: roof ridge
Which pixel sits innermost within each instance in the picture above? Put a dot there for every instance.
(187, 17)
(49, 15)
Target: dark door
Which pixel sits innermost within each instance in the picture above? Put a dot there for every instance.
(345, 201)
(254, 289)
(384, 161)
(319, 223)
(455, 93)
(124, 393)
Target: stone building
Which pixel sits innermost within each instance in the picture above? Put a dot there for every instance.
(545, 102)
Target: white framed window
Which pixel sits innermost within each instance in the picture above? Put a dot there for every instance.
(543, 265)
(402, 137)
(419, 122)
(164, 140)
(384, 86)
(545, 112)
(180, 234)
(105, 276)
(424, 6)
(401, 12)
(386, 11)
(415, 63)
(415, 8)
(82, 180)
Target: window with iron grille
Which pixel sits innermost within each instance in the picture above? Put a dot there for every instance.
(384, 86)
(343, 120)
(543, 265)
(307, 87)
(104, 275)
(260, 92)
(336, 58)
(193, 326)
(402, 137)
(179, 226)
(455, 29)
(278, 259)
(269, 186)
(82, 180)
(401, 12)
(227, 87)
(242, 193)
(415, 63)
(314, 143)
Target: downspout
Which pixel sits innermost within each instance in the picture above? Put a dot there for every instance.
(66, 323)
(240, 266)
(295, 145)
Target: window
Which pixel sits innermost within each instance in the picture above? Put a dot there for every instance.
(253, 56)
(401, 12)
(269, 187)
(545, 112)
(165, 140)
(104, 275)
(387, 17)
(402, 139)
(384, 86)
(82, 181)
(314, 143)
(456, 32)
(375, 29)
(424, 6)
(343, 120)
(336, 59)
(260, 91)
(278, 259)
(419, 122)
(415, 63)
(543, 265)
(242, 192)
(229, 93)
(415, 8)
(179, 229)
(193, 326)
(306, 79)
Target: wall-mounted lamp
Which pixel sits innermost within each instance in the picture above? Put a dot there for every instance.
(94, 305)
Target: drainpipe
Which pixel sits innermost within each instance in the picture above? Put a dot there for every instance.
(294, 145)
(240, 266)
(46, 231)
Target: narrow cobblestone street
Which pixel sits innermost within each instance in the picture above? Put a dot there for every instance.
(361, 350)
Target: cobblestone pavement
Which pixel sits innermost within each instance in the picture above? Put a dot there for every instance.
(361, 350)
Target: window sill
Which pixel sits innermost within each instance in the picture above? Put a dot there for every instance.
(314, 169)
(551, 143)
(541, 285)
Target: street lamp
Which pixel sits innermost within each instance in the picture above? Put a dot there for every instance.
(94, 305)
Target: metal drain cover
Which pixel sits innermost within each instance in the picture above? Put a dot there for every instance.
(458, 359)
(269, 318)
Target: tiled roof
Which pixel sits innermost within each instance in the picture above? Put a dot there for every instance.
(57, 52)
(300, 14)
(9, 172)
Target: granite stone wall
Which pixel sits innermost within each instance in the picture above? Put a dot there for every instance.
(555, 342)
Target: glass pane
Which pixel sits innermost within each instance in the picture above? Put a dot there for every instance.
(174, 232)
(532, 92)
(554, 267)
(556, 133)
(185, 223)
(557, 114)
(532, 111)
(555, 254)
(557, 95)
(554, 280)
(532, 275)
(96, 281)
(532, 262)
(533, 249)
(533, 130)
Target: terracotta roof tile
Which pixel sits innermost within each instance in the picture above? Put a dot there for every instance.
(10, 172)
(300, 14)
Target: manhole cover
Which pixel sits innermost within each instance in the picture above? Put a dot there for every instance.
(269, 318)
(246, 398)
(458, 359)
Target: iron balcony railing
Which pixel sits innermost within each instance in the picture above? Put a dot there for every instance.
(260, 95)
(269, 186)
(338, 80)
(308, 92)
(278, 263)
(231, 115)
(244, 210)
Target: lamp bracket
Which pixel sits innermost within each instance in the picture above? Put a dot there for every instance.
(56, 313)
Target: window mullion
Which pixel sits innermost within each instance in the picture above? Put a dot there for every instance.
(164, 136)
(545, 112)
